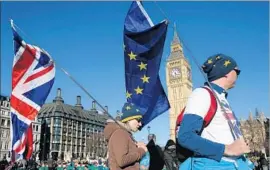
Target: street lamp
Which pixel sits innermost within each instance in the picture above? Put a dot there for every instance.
(148, 128)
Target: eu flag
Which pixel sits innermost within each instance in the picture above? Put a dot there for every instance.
(143, 48)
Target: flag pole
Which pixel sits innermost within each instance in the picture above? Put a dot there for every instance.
(74, 80)
(71, 77)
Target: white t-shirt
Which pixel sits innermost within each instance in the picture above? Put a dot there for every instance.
(218, 130)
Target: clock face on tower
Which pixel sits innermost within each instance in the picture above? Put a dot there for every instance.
(175, 72)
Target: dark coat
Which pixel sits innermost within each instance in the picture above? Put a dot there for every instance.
(170, 156)
(263, 161)
(156, 156)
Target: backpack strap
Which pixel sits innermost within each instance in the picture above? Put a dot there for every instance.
(210, 114)
(212, 109)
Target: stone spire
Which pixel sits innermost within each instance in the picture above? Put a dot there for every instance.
(250, 117)
(176, 45)
(176, 39)
(260, 115)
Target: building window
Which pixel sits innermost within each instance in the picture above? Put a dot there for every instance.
(74, 132)
(48, 121)
(83, 148)
(56, 138)
(73, 140)
(57, 130)
(79, 134)
(57, 121)
(3, 122)
(6, 145)
(73, 148)
(8, 123)
(55, 146)
(63, 147)
(64, 121)
(36, 128)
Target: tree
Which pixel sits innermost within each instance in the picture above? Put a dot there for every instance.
(44, 147)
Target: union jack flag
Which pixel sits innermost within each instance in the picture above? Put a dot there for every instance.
(33, 75)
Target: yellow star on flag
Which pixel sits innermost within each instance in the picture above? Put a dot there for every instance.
(128, 108)
(227, 62)
(142, 66)
(128, 95)
(132, 56)
(209, 61)
(218, 57)
(145, 79)
(138, 90)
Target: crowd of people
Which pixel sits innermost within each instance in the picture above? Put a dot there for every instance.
(53, 165)
(165, 158)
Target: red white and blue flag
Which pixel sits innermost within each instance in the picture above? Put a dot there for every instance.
(33, 76)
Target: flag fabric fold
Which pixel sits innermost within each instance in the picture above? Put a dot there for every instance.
(143, 48)
(33, 74)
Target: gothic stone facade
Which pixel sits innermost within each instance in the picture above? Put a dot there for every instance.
(255, 132)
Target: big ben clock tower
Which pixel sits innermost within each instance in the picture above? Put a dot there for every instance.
(178, 79)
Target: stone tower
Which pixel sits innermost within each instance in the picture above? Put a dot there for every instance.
(178, 79)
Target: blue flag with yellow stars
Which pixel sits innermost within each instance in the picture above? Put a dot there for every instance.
(143, 48)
